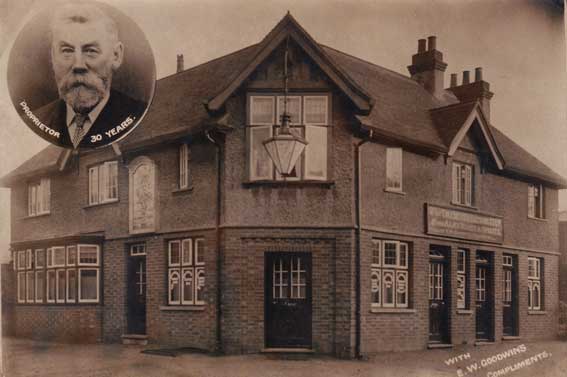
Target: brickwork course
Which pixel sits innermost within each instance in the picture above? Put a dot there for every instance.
(337, 221)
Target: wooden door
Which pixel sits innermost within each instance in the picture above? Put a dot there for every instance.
(136, 295)
(510, 294)
(438, 318)
(288, 300)
(483, 295)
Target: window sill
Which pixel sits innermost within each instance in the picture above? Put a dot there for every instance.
(464, 206)
(300, 183)
(101, 204)
(537, 312)
(465, 311)
(538, 219)
(392, 310)
(510, 338)
(182, 190)
(399, 192)
(182, 308)
(36, 216)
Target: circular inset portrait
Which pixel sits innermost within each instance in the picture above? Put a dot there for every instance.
(81, 74)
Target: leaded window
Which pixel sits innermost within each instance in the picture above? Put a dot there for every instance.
(389, 277)
(534, 283)
(186, 272)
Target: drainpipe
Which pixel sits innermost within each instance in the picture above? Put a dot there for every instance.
(358, 184)
(218, 340)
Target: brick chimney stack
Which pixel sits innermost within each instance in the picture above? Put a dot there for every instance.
(479, 90)
(180, 63)
(428, 67)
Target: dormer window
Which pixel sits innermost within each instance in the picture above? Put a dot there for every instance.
(309, 120)
(462, 184)
(39, 197)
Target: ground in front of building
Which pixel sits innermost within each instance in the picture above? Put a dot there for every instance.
(32, 358)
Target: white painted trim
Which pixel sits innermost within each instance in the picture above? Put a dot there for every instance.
(88, 264)
(326, 122)
(69, 300)
(251, 101)
(82, 300)
(47, 299)
(43, 298)
(60, 300)
(58, 248)
(475, 114)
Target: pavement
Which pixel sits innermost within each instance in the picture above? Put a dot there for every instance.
(23, 357)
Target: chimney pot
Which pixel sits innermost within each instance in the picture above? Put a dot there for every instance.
(453, 80)
(466, 78)
(432, 43)
(421, 45)
(180, 63)
(478, 74)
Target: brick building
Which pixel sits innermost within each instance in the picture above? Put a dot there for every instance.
(409, 221)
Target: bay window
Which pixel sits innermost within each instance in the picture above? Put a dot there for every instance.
(309, 120)
(389, 277)
(186, 272)
(103, 183)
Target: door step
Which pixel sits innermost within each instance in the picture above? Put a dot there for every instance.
(135, 339)
(439, 345)
(288, 353)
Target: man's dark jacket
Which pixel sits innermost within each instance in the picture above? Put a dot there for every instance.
(118, 108)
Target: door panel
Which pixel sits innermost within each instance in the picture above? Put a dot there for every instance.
(438, 319)
(510, 302)
(483, 302)
(288, 300)
(137, 295)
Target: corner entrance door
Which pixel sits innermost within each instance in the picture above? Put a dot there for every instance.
(483, 297)
(438, 318)
(288, 300)
(137, 294)
(510, 302)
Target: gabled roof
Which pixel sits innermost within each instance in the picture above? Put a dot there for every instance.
(455, 121)
(289, 27)
(392, 105)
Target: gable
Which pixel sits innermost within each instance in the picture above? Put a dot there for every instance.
(289, 29)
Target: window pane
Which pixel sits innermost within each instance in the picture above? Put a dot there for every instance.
(71, 255)
(461, 261)
(21, 260)
(30, 286)
(394, 168)
(260, 163)
(388, 286)
(375, 286)
(61, 287)
(39, 286)
(390, 253)
(174, 253)
(461, 291)
(88, 283)
(51, 285)
(188, 286)
(316, 110)
(200, 251)
(21, 287)
(58, 256)
(88, 255)
(293, 109)
(376, 254)
(200, 285)
(403, 255)
(316, 153)
(401, 289)
(71, 285)
(184, 166)
(174, 286)
(261, 110)
(187, 252)
(40, 258)
(93, 185)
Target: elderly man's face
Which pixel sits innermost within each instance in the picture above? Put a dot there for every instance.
(84, 56)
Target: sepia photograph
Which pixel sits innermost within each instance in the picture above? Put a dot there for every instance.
(283, 188)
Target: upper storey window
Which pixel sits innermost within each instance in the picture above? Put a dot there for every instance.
(462, 184)
(536, 201)
(394, 169)
(103, 183)
(309, 119)
(184, 158)
(39, 197)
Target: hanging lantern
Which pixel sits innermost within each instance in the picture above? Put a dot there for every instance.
(285, 148)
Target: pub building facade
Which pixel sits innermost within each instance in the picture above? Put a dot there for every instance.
(407, 221)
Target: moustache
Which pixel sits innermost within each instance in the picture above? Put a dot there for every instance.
(88, 81)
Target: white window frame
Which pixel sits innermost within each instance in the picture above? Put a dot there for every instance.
(137, 249)
(37, 252)
(170, 263)
(21, 254)
(47, 273)
(67, 290)
(170, 272)
(535, 281)
(199, 247)
(101, 187)
(21, 295)
(253, 99)
(279, 109)
(381, 269)
(30, 298)
(463, 173)
(184, 161)
(49, 257)
(82, 300)
(186, 249)
(37, 272)
(462, 275)
(182, 280)
(307, 98)
(58, 299)
(69, 252)
(29, 259)
(54, 249)
(39, 197)
(394, 169)
(79, 263)
(536, 203)
(253, 176)
(191, 247)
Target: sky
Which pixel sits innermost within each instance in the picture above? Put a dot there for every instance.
(520, 44)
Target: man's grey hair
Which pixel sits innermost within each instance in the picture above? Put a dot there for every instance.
(82, 13)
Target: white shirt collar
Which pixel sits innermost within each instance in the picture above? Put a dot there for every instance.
(95, 112)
